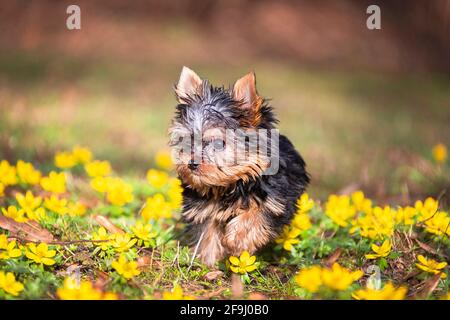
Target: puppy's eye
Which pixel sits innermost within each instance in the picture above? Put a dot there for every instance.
(218, 144)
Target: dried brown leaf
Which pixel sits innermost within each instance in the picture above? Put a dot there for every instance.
(107, 224)
(213, 275)
(30, 230)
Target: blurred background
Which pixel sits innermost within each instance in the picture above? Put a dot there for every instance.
(365, 108)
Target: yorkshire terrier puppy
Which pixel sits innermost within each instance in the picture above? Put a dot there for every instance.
(241, 179)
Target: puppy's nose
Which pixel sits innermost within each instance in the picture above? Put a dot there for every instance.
(192, 165)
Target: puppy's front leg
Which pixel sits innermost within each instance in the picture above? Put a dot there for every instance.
(248, 231)
(211, 249)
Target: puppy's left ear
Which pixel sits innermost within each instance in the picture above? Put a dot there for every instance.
(244, 91)
(188, 85)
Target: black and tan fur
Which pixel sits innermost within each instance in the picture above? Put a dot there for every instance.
(235, 207)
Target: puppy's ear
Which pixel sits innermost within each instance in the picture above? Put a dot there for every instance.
(244, 91)
(188, 85)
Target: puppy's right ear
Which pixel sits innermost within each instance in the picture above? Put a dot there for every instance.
(188, 85)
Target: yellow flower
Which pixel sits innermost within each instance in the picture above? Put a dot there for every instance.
(143, 231)
(304, 203)
(55, 182)
(27, 174)
(360, 202)
(81, 154)
(389, 292)
(40, 253)
(339, 209)
(245, 263)
(38, 214)
(339, 278)
(76, 209)
(175, 193)
(157, 179)
(123, 242)
(98, 168)
(126, 269)
(288, 237)
(163, 159)
(100, 184)
(2, 189)
(8, 250)
(71, 290)
(120, 193)
(28, 202)
(13, 213)
(301, 221)
(380, 251)
(9, 284)
(56, 205)
(440, 153)
(176, 294)
(65, 160)
(406, 215)
(310, 278)
(378, 224)
(104, 238)
(438, 224)
(156, 207)
(8, 175)
(431, 266)
(426, 209)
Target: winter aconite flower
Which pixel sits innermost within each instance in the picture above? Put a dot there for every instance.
(175, 193)
(82, 155)
(40, 254)
(9, 284)
(340, 210)
(72, 290)
(339, 278)
(431, 266)
(176, 294)
(426, 209)
(310, 278)
(163, 159)
(8, 249)
(289, 237)
(440, 153)
(245, 263)
(8, 174)
(304, 203)
(103, 238)
(28, 202)
(14, 213)
(76, 209)
(157, 179)
(144, 232)
(389, 292)
(122, 242)
(438, 224)
(55, 182)
(2, 189)
(126, 269)
(156, 207)
(98, 168)
(65, 160)
(27, 174)
(56, 205)
(380, 251)
(120, 193)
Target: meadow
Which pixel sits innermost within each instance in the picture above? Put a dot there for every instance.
(80, 230)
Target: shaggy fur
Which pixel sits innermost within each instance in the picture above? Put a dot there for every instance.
(231, 207)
